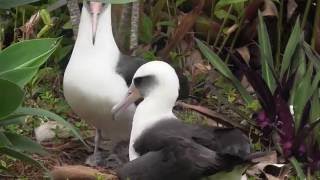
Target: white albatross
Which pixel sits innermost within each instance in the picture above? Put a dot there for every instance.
(161, 145)
(93, 81)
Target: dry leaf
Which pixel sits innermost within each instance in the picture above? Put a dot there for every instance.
(79, 173)
(244, 53)
(184, 26)
(270, 9)
(291, 7)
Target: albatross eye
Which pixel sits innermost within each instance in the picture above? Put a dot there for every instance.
(144, 82)
(138, 80)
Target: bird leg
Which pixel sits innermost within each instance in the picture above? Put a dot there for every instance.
(96, 158)
(97, 140)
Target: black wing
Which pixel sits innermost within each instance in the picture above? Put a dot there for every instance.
(128, 65)
(180, 158)
(229, 141)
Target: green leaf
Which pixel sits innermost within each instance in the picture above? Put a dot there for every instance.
(228, 2)
(50, 115)
(21, 156)
(20, 62)
(27, 53)
(266, 55)
(235, 174)
(222, 14)
(23, 143)
(179, 2)
(297, 167)
(147, 29)
(5, 4)
(45, 16)
(20, 76)
(312, 55)
(11, 96)
(303, 94)
(290, 48)
(3, 168)
(116, 1)
(4, 141)
(224, 70)
(315, 106)
(12, 120)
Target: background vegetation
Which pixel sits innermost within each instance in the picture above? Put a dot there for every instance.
(253, 64)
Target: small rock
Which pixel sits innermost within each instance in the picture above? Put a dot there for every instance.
(48, 130)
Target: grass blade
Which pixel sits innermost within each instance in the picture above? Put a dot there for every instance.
(50, 115)
(25, 144)
(297, 167)
(290, 48)
(266, 55)
(21, 156)
(222, 67)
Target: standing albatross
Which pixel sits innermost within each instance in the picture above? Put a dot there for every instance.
(161, 145)
(96, 79)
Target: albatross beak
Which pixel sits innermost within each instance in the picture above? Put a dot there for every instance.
(132, 96)
(95, 8)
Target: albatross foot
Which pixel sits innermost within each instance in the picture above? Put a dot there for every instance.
(113, 161)
(97, 159)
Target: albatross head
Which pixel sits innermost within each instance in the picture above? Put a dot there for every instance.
(155, 81)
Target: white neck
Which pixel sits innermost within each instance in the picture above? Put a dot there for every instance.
(150, 111)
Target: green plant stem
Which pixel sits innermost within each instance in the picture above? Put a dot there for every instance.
(221, 27)
(279, 29)
(315, 25)
(235, 36)
(15, 25)
(168, 6)
(23, 22)
(306, 12)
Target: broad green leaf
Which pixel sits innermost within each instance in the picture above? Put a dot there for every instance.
(20, 76)
(20, 156)
(266, 55)
(290, 48)
(26, 54)
(20, 62)
(224, 70)
(4, 141)
(11, 96)
(235, 174)
(5, 4)
(297, 168)
(50, 115)
(23, 143)
(228, 2)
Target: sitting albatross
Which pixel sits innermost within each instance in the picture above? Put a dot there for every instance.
(96, 79)
(162, 146)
